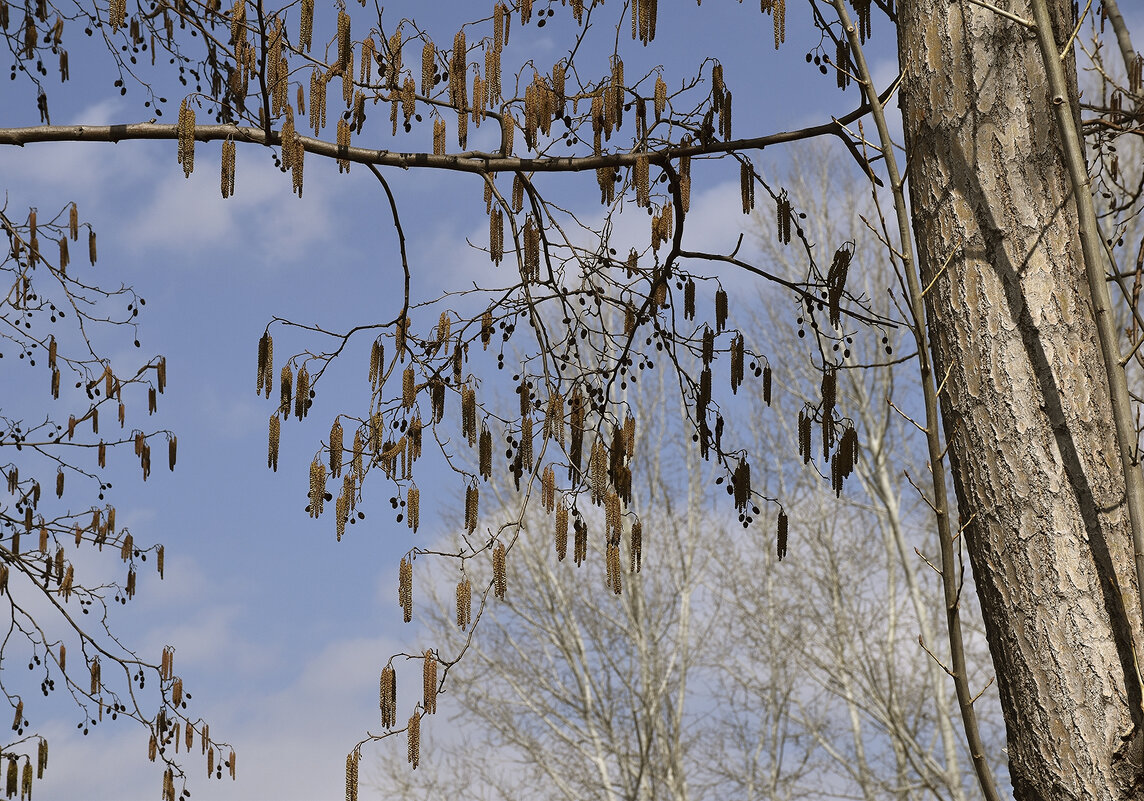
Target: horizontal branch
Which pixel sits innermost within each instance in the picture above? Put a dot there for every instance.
(472, 161)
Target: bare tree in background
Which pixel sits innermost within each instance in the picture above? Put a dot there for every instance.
(799, 679)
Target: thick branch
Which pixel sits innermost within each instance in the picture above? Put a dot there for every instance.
(471, 161)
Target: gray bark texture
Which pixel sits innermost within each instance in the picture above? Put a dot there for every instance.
(1026, 406)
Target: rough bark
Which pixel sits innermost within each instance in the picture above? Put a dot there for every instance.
(1026, 405)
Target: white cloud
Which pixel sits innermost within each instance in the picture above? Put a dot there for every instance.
(291, 741)
(188, 215)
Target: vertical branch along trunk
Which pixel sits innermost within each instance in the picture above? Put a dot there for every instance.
(1026, 406)
(940, 503)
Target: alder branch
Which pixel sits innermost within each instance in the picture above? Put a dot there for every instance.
(469, 161)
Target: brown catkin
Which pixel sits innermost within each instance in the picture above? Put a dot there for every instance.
(472, 507)
(720, 310)
(437, 398)
(741, 484)
(415, 428)
(485, 449)
(352, 776)
(480, 99)
(530, 268)
(493, 75)
(469, 415)
(548, 488)
(1136, 74)
(457, 72)
(612, 521)
(405, 588)
(408, 388)
(336, 435)
(388, 697)
(464, 603)
(272, 450)
(842, 62)
(414, 739)
(439, 140)
(496, 242)
(368, 57)
(708, 351)
(286, 386)
(306, 32)
(500, 580)
(429, 682)
(343, 139)
(413, 507)
(409, 99)
(554, 418)
(636, 546)
(836, 282)
(167, 664)
(736, 363)
(782, 534)
(172, 451)
(660, 97)
(804, 423)
(747, 186)
(186, 133)
(317, 487)
(345, 44)
(302, 394)
(606, 179)
(377, 363)
(526, 441)
(576, 421)
(227, 180)
(598, 471)
(317, 101)
(829, 387)
(642, 180)
(428, 67)
(613, 571)
(561, 531)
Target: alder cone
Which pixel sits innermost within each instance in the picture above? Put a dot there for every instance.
(1025, 408)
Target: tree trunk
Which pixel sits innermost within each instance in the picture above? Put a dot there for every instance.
(1026, 405)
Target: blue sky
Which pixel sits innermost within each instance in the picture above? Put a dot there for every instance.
(280, 631)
